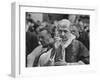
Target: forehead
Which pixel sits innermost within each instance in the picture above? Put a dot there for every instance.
(63, 26)
(63, 29)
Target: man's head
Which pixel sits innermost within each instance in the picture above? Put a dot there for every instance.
(45, 37)
(64, 29)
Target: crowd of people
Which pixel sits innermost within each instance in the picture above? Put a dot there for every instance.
(63, 42)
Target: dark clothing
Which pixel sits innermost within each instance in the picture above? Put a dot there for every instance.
(84, 38)
(75, 52)
(31, 42)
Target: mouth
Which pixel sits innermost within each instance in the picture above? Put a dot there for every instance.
(64, 38)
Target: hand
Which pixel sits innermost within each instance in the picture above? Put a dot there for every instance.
(57, 42)
(81, 63)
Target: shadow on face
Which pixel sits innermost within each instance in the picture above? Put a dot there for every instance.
(45, 38)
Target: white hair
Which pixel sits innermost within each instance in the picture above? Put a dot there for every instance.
(65, 22)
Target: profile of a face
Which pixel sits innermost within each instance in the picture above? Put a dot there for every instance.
(45, 38)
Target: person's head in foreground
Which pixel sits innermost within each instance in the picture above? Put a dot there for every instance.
(45, 37)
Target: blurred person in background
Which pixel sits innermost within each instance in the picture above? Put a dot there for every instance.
(84, 33)
(74, 30)
(31, 36)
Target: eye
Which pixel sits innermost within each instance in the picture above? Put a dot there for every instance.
(60, 31)
(73, 31)
(65, 31)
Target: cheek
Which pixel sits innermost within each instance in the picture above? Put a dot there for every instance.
(67, 35)
(46, 41)
(51, 40)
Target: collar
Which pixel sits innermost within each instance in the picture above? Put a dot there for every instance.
(69, 41)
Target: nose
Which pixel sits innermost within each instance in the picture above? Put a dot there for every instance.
(62, 33)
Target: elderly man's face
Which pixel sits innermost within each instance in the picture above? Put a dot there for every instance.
(64, 33)
(45, 38)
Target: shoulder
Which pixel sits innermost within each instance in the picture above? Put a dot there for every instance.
(36, 51)
(80, 45)
(75, 42)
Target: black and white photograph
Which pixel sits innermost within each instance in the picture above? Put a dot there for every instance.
(55, 39)
(52, 40)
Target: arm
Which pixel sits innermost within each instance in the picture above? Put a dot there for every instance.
(31, 57)
(83, 54)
